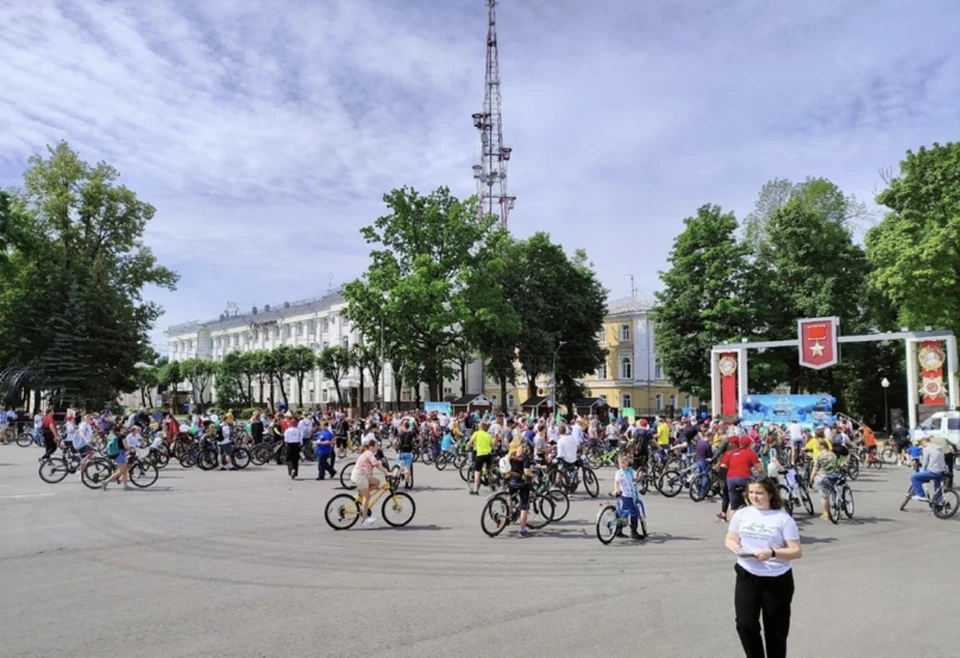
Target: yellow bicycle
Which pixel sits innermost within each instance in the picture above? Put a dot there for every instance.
(343, 510)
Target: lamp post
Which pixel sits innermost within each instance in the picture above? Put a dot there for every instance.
(885, 383)
(555, 353)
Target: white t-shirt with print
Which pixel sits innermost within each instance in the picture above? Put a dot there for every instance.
(625, 482)
(759, 529)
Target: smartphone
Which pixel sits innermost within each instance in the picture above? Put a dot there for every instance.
(741, 553)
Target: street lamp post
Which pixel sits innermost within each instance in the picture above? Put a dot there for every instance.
(383, 369)
(885, 383)
(555, 353)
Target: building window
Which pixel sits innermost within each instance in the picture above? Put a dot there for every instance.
(326, 344)
(323, 395)
(626, 401)
(624, 332)
(510, 400)
(602, 371)
(345, 342)
(299, 328)
(688, 400)
(603, 397)
(326, 324)
(626, 368)
(493, 398)
(659, 401)
(673, 400)
(657, 370)
(602, 336)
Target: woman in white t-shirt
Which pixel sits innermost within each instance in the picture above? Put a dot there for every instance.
(765, 539)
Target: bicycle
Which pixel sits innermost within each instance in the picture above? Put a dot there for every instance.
(839, 497)
(612, 518)
(95, 473)
(945, 500)
(54, 469)
(502, 509)
(795, 492)
(347, 470)
(343, 510)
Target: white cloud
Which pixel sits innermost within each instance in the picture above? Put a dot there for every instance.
(266, 132)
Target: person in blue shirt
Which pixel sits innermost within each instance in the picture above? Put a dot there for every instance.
(323, 449)
(630, 503)
(915, 452)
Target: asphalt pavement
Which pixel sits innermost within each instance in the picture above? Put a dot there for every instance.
(240, 564)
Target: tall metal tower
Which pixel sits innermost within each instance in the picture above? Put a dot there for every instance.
(491, 172)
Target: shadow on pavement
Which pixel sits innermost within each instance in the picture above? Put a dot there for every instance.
(664, 537)
(406, 528)
(154, 489)
(808, 539)
(463, 489)
(862, 520)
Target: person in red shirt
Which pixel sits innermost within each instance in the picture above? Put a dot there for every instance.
(741, 463)
(51, 435)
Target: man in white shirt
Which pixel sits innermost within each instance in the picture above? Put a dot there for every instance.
(225, 447)
(567, 449)
(576, 431)
(292, 440)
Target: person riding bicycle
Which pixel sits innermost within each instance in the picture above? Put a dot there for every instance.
(521, 474)
(567, 445)
(629, 502)
(826, 469)
(933, 465)
(482, 444)
(362, 477)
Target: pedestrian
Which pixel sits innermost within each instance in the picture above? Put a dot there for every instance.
(293, 442)
(765, 539)
(323, 448)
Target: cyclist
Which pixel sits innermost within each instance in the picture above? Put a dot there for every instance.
(741, 463)
(521, 471)
(362, 477)
(932, 467)
(629, 500)
(405, 442)
(826, 469)
(482, 444)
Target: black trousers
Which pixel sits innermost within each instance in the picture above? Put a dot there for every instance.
(768, 597)
(293, 459)
(49, 442)
(325, 465)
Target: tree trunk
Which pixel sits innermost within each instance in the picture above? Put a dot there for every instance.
(416, 396)
(532, 384)
(143, 398)
(273, 408)
(336, 385)
(360, 393)
(283, 392)
(300, 377)
(397, 385)
(463, 378)
(503, 393)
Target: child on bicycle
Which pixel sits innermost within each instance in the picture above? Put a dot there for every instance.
(362, 477)
(630, 502)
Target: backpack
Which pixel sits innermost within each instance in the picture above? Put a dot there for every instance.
(113, 446)
(505, 465)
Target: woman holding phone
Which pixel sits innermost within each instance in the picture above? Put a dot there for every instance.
(765, 539)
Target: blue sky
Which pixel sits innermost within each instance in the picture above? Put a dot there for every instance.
(266, 133)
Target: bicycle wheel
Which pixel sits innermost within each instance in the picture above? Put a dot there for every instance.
(561, 504)
(846, 501)
(833, 507)
(495, 515)
(889, 456)
(95, 473)
(161, 458)
(906, 499)
(241, 458)
(400, 505)
(807, 501)
(590, 482)
(342, 512)
(24, 439)
(427, 456)
(143, 474)
(698, 488)
(670, 483)
(345, 473)
(787, 500)
(441, 461)
(607, 524)
(853, 468)
(53, 470)
(946, 506)
(541, 511)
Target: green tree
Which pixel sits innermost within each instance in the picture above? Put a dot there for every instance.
(72, 316)
(335, 363)
(368, 360)
(275, 365)
(301, 361)
(200, 372)
(706, 298)
(230, 385)
(914, 253)
(428, 247)
(170, 377)
(146, 378)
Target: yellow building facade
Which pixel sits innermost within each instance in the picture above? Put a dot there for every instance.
(631, 375)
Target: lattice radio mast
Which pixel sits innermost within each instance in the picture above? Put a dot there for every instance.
(491, 173)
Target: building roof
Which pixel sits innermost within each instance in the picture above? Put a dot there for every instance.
(537, 401)
(282, 311)
(469, 398)
(590, 402)
(628, 306)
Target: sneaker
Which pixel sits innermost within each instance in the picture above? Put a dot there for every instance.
(825, 517)
(127, 487)
(318, 479)
(524, 532)
(721, 517)
(637, 536)
(922, 499)
(474, 493)
(369, 521)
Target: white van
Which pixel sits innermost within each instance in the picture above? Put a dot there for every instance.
(943, 425)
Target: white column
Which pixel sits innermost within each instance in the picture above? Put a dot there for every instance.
(953, 381)
(714, 384)
(912, 382)
(743, 385)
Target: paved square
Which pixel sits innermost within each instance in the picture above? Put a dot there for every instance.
(242, 564)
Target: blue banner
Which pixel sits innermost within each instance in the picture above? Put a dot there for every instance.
(444, 407)
(809, 410)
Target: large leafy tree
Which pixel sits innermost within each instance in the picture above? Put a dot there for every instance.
(368, 359)
(707, 298)
(170, 377)
(146, 378)
(231, 386)
(276, 364)
(301, 361)
(427, 248)
(914, 252)
(72, 316)
(335, 363)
